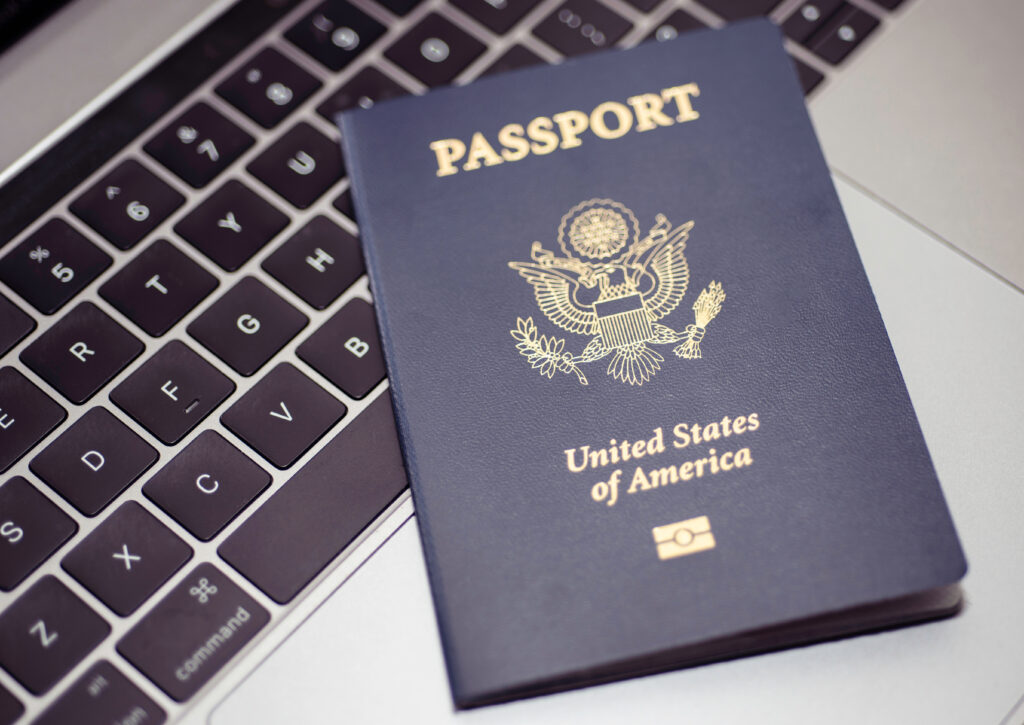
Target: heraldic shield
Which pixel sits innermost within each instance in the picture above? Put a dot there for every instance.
(613, 286)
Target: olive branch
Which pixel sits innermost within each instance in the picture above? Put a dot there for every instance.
(544, 353)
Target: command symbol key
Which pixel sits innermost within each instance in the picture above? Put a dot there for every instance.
(193, 632)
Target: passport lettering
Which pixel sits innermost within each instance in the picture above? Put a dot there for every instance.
(544, 135)
(684, 435)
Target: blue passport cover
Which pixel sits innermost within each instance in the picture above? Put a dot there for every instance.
(647, 404)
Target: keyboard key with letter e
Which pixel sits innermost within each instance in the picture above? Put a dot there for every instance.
(27, 415)
(46, 632)
(301, 528)
(31, 529)
(193, 632)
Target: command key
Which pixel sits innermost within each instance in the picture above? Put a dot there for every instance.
(193, 632)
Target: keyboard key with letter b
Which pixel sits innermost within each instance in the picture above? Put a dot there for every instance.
(346, 349)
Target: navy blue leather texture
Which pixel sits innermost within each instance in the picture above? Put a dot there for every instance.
(540, 579)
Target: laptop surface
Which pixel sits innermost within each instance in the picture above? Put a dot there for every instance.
(925, 182)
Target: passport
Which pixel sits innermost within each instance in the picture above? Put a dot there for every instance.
(647, 403)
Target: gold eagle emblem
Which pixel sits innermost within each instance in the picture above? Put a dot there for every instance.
(612, 286)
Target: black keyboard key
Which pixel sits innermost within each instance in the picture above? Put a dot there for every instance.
(809, 77)
(52, 265)
(889, 4)
(842, 33)
(10, 708)
(14, 325)
(518, 56)
(808, 17)
(27, 414)
(344, 204)
(126, 558)
(247, 326)
(346, 349)
(283, 415)
(365, 88)
(82, 352)
(298, 531)
(435, 50)
(581, 26)
(102, 696)
(46, 632)
(676, 23)
(193, 632)
(644, 5)
(400, 7)
(198, 145)
(335, 33)
(498, 15)
(268, 88)
(127, 204)
(737, 9)
(318, 263)
(206, 485)
(93, 461)
(159, 287)
(31, 528)
(172, 392)
(300, 166)
(232, 225)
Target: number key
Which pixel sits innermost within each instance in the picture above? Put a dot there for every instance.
(268, 88)
(46, 632)
(199, 144)
(335, 33)
(52, 265)
(126, 204)
(498, 15)
(31, 528)
(581, 26)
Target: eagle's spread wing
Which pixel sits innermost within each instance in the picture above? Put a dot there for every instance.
(555, 291)
(665, 266)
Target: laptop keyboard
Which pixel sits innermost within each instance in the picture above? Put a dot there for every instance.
(193, 412)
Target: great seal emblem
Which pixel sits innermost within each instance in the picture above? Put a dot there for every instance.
(613, 286)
